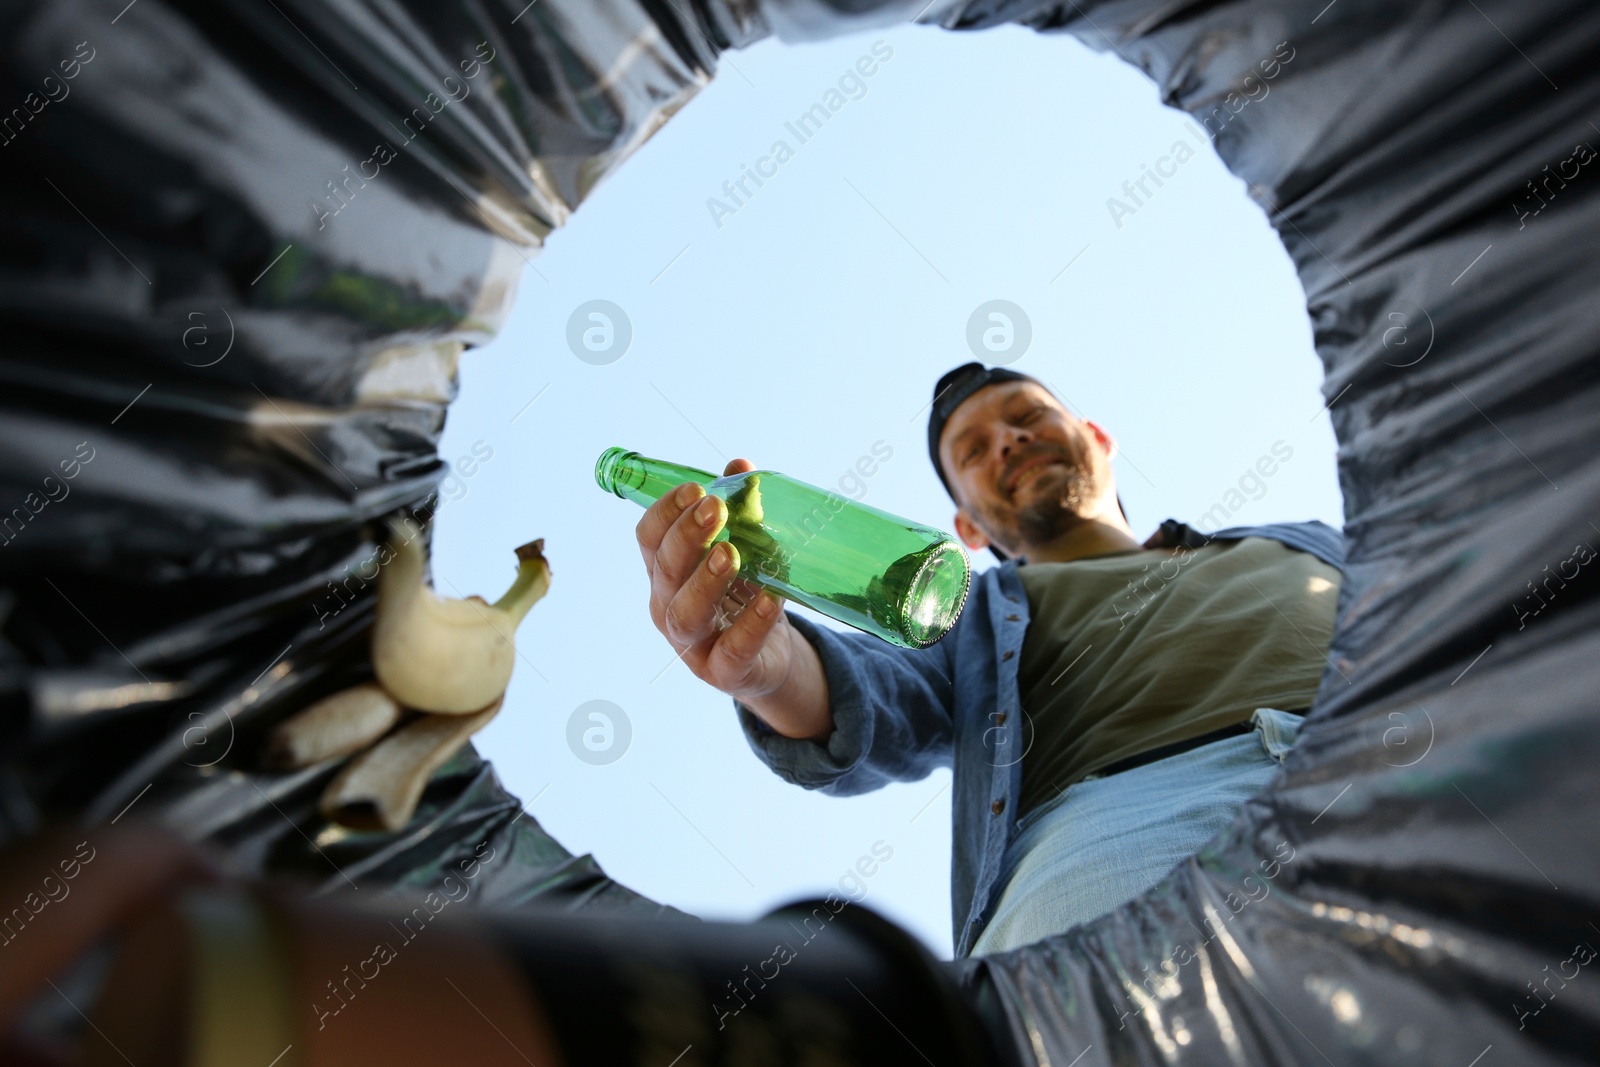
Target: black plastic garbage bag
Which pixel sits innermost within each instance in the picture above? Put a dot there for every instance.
(245, 244)
(244, 247)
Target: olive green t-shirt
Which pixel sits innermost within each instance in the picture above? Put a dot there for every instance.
(1132, 651)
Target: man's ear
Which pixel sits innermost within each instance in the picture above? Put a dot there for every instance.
(970, 535)
(1107, 442)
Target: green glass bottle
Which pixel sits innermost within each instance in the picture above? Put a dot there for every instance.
(900, 580)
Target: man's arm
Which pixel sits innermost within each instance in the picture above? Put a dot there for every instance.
(889, 710)
(798, 708)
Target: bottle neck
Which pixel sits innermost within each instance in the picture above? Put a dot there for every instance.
(642, 479)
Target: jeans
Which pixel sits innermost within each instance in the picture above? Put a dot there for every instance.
(1106, 840)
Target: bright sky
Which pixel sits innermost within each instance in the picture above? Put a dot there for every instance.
(809, 326)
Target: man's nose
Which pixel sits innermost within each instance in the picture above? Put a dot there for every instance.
(1012, 440)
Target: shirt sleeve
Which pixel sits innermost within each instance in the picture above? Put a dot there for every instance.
(891, 713)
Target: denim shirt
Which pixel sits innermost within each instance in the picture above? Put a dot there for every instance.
(899, 713)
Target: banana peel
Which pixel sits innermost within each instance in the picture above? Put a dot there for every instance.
(448, 658)
(445, 655)
(337, 725)
(380, 788)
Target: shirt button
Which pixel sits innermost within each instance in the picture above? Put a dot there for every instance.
(1013, 618)
(998, 806)
(999, 718)
(1011, 598)
(1008, 654)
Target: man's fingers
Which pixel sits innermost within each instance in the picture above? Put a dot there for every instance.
(684, 547)
(734, 657)
(692, 612)
(659, 517)
(737, 466)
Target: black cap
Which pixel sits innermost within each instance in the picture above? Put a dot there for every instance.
(952, 389)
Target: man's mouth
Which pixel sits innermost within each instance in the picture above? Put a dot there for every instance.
(1028, 466)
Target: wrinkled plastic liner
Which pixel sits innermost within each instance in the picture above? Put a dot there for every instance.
(301, 213)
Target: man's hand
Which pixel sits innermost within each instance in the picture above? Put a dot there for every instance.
(760, 659)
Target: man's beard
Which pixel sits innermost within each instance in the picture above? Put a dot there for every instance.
(1052, 511)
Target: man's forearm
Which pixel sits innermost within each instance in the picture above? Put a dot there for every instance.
(798, 708)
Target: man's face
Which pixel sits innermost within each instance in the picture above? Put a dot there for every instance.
(1024, 469)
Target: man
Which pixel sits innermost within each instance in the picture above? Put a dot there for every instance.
(1107, 705)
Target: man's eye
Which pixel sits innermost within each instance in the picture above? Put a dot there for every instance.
(1031, 413)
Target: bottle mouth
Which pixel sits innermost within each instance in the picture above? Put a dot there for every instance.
(615, 471)
(937, 595)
